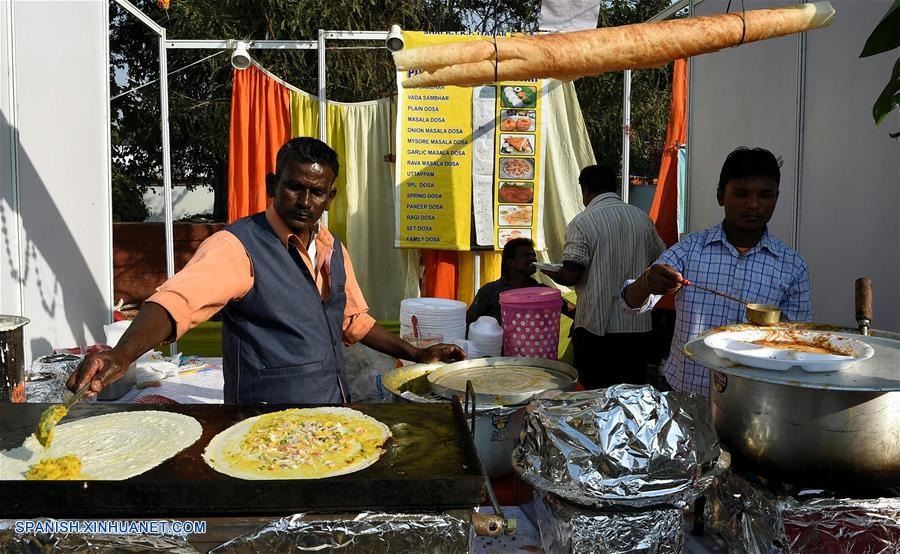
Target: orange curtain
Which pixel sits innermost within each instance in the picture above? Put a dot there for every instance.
(663, 212)
(441, 273)
(665, 201)
(260, 125)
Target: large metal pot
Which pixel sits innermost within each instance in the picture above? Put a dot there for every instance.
(12, 358)
(831, 430)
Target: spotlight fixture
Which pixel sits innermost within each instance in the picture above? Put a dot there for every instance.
(394, 41)
(240, 59)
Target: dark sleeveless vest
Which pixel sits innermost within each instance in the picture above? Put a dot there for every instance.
(281, 343)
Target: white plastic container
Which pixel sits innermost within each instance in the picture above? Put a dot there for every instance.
(486, 335)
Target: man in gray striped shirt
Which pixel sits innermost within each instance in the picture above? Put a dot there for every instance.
(605, 244)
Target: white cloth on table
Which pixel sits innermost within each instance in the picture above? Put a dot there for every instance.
(204, 386)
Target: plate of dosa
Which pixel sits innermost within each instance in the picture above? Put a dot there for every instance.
(298, 443)
(515, 216)
(521, 145)
(506, 235)
(517, 168)
(109, 447)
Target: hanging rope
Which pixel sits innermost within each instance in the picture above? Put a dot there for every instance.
(139, 87)
(743, 20)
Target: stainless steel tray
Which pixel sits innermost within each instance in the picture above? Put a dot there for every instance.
(503, 381)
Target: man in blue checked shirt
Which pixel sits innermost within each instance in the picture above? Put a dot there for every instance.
(737, 256)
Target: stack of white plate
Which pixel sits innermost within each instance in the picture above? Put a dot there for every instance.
(485, 337)
(436, 316)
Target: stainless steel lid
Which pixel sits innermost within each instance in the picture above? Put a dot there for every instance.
(12, 322)
(880, 373)
(503, 381)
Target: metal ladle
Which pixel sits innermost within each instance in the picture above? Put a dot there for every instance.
(760, 314)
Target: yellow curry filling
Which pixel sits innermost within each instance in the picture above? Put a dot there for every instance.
(308, 445)
(55, 469)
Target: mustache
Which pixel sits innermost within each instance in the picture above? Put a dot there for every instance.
(301, 213)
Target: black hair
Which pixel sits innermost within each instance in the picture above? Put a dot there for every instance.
(598, 179)
(745, 162)
(509, 251)
(306, 150)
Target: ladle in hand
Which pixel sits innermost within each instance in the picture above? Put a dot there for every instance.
(760, 314)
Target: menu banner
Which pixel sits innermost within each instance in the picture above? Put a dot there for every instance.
(469, 161)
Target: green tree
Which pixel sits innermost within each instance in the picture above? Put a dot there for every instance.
(200, 93)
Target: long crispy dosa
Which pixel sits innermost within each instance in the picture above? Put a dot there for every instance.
(567, 56)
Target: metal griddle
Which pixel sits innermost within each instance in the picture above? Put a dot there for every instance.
(430, 464)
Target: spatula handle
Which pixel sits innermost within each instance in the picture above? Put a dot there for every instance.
(863, 299)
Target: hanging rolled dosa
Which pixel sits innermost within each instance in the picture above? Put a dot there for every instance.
(567, 56)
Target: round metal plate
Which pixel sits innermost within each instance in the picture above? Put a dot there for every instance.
(503, 381)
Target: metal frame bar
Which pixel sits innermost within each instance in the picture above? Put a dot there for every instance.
(17, 229)
(800, 137)
(251, 44)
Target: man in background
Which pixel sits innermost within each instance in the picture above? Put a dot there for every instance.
(606, 243)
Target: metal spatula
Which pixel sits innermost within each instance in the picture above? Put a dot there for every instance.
(52, 415)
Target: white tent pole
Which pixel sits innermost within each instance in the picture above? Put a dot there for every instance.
(626, 135)
(167, 163)
(323, 111)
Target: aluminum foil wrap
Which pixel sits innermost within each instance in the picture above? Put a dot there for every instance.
(45, 380)
(444, 532)
(76, 543)
(570, 529)
(752, 519)
(627, 445)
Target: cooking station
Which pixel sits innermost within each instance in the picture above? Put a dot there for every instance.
(429, 465)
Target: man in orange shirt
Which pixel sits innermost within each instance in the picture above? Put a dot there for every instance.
(287, 294)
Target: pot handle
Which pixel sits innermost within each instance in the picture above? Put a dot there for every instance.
(864, 302)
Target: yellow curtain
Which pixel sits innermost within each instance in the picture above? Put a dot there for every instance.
(305, 123)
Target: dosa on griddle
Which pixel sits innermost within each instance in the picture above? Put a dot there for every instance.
(111, 446)
(308, 443)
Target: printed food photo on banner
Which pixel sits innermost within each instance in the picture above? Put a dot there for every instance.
(515, 216)
(517, 120)
(517, 145)
(517, 168)
(506, 235)
(516, 192)
(518, 96)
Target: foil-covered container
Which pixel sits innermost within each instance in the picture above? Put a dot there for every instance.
(443, 532)
(626, 446)
(750, 518)
(45, 380)
(569, 529)
(12, 542)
